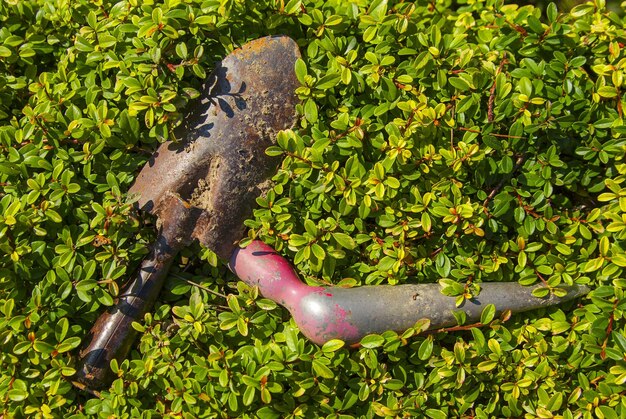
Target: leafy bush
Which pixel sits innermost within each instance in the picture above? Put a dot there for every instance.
(469, 142)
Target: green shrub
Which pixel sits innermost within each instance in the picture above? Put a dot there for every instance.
(473, 142)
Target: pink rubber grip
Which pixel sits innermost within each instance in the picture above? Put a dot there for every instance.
(259, 265)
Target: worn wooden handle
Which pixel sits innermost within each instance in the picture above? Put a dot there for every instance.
(112, 336)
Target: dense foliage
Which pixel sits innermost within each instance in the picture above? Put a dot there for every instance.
(458, 143)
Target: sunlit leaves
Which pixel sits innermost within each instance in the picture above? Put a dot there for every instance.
(455, 143)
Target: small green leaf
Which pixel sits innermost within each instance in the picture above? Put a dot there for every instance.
(541, 292)
(61, 328)
(552, 12)
(344, 240)
(43, 347)
(68, 344)
(328, 81)
(535, 25)
(333, 345)
(322, 370)
(486, 366)
(301, 70)
(436, 414)
(425, 349)
(310, 111)
(459, 83)
(372, 341)
(488, 314)
(607, 91)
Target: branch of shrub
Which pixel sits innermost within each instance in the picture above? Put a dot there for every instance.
(514, 26)
(531, 210)
(492, 92)
(322, 168)
(459, 328)
(357, 126)
(518, 163)
(491, 133)
(609, 329)
(202, 287)
(545, 283)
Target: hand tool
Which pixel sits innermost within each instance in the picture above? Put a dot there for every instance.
(203, 187)
(349, 314)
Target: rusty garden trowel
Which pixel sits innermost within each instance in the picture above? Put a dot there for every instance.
(205, 186)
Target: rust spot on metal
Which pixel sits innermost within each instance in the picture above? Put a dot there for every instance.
(220, 167)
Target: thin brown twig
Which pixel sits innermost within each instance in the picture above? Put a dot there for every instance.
(545, 283)
(323, 168)
(492, 92)
(452, 131)
(505, 135)
(515, 26)
(202, 287)
(609, 330)
(596, 380)
(491, 133)
(518, 163)
(459, 327)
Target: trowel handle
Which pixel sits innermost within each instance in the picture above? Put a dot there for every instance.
(325, 313)
(112, 336)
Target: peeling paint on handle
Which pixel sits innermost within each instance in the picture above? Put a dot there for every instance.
(325, 313)
(312, 307)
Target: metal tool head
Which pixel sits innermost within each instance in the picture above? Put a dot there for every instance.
(205, 186)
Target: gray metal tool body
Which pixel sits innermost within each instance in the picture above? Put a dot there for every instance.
(349, 314)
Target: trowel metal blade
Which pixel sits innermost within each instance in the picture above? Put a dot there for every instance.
(212, 177)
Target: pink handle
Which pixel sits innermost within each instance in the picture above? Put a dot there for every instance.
(317, 316)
